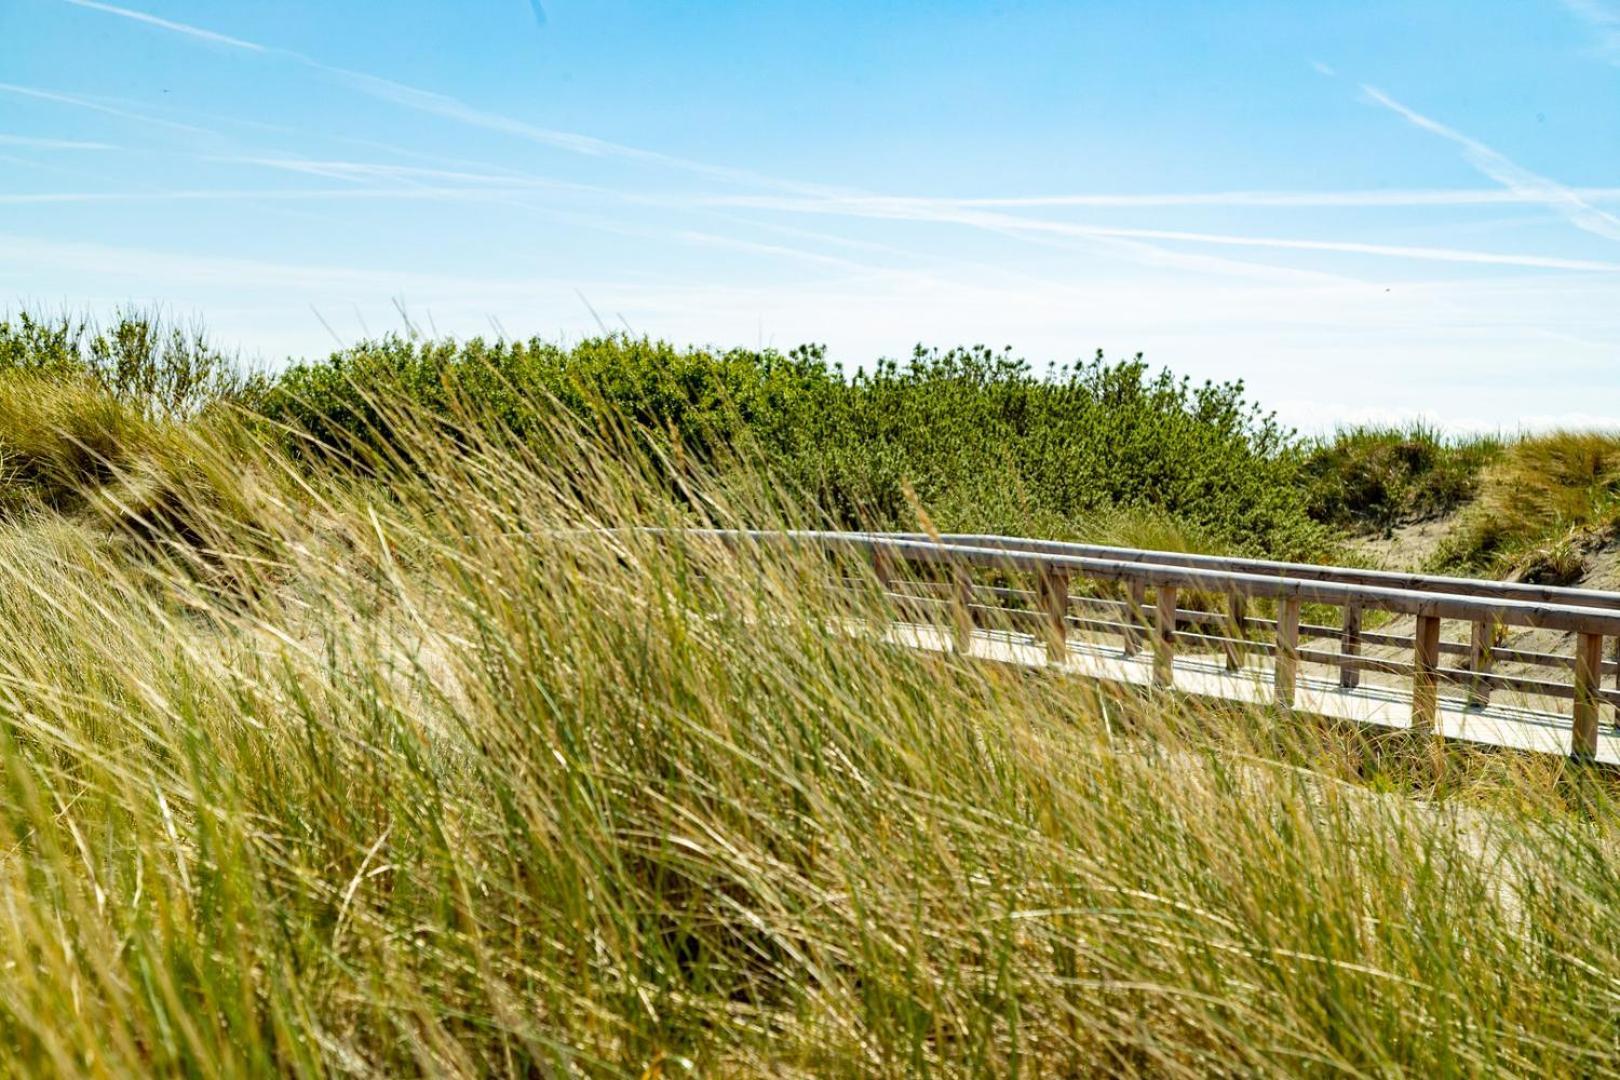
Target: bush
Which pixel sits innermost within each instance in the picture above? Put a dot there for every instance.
(1559, 563)
(126, 430)
(140, 360)
(972, 439)
(1373, 479)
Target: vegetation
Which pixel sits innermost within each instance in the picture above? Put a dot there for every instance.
(970, 439)
(1372, 479)
(380, 756)
(974, 440)
(1532, 508)
(140, 360)
(1547, 503)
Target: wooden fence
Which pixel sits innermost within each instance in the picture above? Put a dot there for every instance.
(1053, 588)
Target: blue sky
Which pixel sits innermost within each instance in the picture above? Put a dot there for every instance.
(1366, 211)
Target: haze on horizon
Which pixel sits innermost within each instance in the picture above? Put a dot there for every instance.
(1367, 213)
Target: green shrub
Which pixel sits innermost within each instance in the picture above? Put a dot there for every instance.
(1560, 563)
(972, 439)
(140, 359)
(1374, 478)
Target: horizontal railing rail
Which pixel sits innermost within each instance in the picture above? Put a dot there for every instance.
(1482, 650)
(1514, 612)
(1349, 575)
(1052, 611)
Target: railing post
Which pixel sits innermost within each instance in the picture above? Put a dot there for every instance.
(1425, 665)
(883, 567)
(1053, 585)
(1588, 678)
(1350, 647)
(1164, 636)
(1237, 612)
(1136, 596)
(961, 605)
(1617, 678)
(1286, 668)
(1480, 639)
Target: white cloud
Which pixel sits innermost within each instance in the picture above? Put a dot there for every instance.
(894, 207)
(92, 105)
(1516, 178)
(951, 211)
(450, 108)
(472, 182)
(165, 24)
(120, 262)
(782, 250)
(358, 171)
(429, 194)
(35, 143)
(1604, 21)
(1279, 199)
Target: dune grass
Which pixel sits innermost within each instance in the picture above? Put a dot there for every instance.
(1548, 502)
(140, 358)
(1373, 478)
(417, 756)
(417, 770)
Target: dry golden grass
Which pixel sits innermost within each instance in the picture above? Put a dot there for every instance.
(428, 773)
(1544, 505)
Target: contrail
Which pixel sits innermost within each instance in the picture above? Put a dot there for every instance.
(1510, 174)
(179, 28)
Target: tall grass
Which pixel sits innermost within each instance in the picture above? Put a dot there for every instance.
(1373, 479)
(139, 358)
(440, 767)
(1547, 503)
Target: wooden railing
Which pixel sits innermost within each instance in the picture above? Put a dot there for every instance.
(1481, 650)
(1035, 585)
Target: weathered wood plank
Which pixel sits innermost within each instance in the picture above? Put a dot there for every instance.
(1164, 636)
(1425, 666)
(1237, 613)
(883, 567)
(1305, 571)
(1447, 606)
(962, 604)
(1481, 639)
(1350, 646)
(1286, 665)
(1053, 586)
(1617, 674)
(1137, 592)
(1588, 661)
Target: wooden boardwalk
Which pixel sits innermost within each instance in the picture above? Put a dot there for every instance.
(1236, 629)
(1526, 725)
